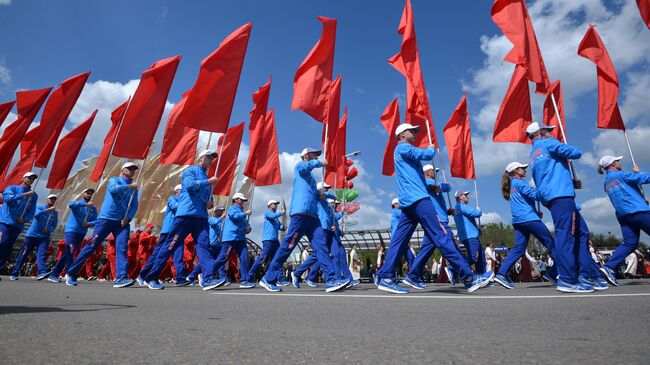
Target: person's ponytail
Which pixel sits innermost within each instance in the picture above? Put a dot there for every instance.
(505, 185)
(601, 170)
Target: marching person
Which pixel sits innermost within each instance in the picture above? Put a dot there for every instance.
(83, 214)
(113, 218)
(525, 221)
(233, 239)
(416, 205)
(146, 245)
(18, 208)
(38, 235)
(339, 256)
(270, 242)
(577, 273)
(469, 231)
(215, 222)
(394, 215)
(632, 211)
(304, 221)
(191, 218)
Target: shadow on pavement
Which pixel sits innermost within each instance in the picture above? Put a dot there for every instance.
(44, 309)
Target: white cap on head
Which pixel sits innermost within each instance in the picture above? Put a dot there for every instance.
(536, 127)
(208, 153)
(219, 207)
(460, 193)
(272, 201)
(607, 160)
(178, 187)
(239, 196)
(515, 165)
(330, 200)
(307, 150)
(427, 167)
(89, 190)
(321, 185)
(394, 201)
(30, 174)
(52, 196)
(128, 165)
(405, 127)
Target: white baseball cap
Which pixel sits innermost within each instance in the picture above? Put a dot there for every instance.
(178, 187)
(208, 153)
(515, 165)
(607, 160)
(459, 193)
(272, 201)
(91, 190)
(30, 174)
(428, 167)
(52, 196)
(321, 185)
(128, 165)
(307, 150)
(405, 127)
(535, 127)
(330, 200)
(394, 201)
(239, 196)
(219, 207)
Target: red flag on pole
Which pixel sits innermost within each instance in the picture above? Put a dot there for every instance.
(390, 120)
(5, 108)
(515, 113)
(511, 16)
(312, 80)
(268, 167)
(145, 110)
(257, 130)
(550, 117)
(56, 112)
(210, 102)
(332, 122)
(644, 9)
(459, 142)
(179, 142)
(27, 156)
(229, 154)
(341, 146)
(116, 118)
(29, 103)
(66, 153)
(592, 48)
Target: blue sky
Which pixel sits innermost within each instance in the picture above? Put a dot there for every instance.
(45, 42)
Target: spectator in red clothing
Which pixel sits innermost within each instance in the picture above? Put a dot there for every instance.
(92, 260)
(233, 271)
(146, 245)
(132, 254)
(189, 253)
(109, 267)
(60, 248)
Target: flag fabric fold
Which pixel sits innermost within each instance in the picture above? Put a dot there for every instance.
(179, 142)
(330, 129)
(67, 152)
(515, 111)
(644, 9)
(390, 120)
(100, 165)
(459, 142)
(145, 110)
(56, 113)
(268, 167)
(28, 148)
(231, 142)
(341, 146)
(209, 105)
(592, 48)
(257, 130)
(5, 108)
(550, 117)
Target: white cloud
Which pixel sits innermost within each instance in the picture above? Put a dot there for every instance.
(5, 2)
(491, 217)
(612, 142)
(599, 214)
(5, 74)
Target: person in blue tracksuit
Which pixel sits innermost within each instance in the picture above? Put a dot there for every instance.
(215, 222)
(416, 205)
(191, 218)
(548, 162)
(304, 221)
(468, 231)
(632, 211)
(394, 215)
(167, 223)
(311, 264)
(525, 221)
(270, 242)
(339, 256)
(233, 239)
(38, 235)
(18, 208)
(118, 209)
(83, 214)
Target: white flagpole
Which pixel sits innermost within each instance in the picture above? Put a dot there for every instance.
(477, 200)
(629, 148)
(559, 119)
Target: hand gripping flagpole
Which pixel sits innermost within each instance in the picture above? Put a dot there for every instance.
(559, 119)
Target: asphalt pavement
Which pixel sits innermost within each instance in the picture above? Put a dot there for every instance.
(44, 323)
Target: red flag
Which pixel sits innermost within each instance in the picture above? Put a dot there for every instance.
(179, 142)
(644, 9)
(312, 80)
(66, 153)
(5, 108)
(257, 130)
(592, 47)
(145, 110)
(27, 156)
(268, 168)
(341, 146)
(228, 161)
(331, 127)
(210, 102)
(459, 142)
(515, 114)
(511, 16)
(56, 112)
(29, 103)
(390, 120)
(550, 117)
(116, 118)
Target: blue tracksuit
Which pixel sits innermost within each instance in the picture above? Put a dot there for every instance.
(74, 232)
(270, 242)
(522, 201)
(215, 224)
(417, 207)
(191, 218)
(438, 199)
(550, 170)
(632, 212)
(394, 218)
(113, 211)
(310, 264)
(234, 239)
(12, 208)
(38, 235)
(468, 233)
(337, 251)
(304, 221)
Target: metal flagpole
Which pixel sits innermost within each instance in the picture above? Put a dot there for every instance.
(128, 207)
(559, 119)
(327, 126)
(216, 170)
(207, 146)
(629, 148)
(477, 201)
(444, 175)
